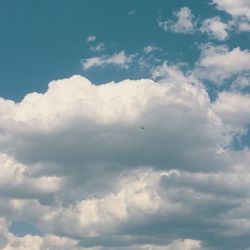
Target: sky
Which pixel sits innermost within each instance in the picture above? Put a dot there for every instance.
(124, 125)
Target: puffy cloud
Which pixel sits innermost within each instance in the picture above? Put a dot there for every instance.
(118, 59)
(233, 108)
(151, 48)
(170, 73)
(15, 181)
(215, 28)
(9, 241)
(235, 8)
(136, 197)
(218, 63)
(77, 165)
(184, 23)
(160, 205)
(78, 118)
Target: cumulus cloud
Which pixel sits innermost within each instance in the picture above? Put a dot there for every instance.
(233, 108)
(77, 165)
(183, 24)
(239, 10)
(234, 8)
(17, 182)
(218, 63)
(77, 115)
(186, 244)
(244, 26)
(118, 59)
(9, 241)
(242, 82)
(215, 28)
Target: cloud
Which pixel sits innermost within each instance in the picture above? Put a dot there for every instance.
(151, 48)
(98, 47)
(186, 244)
(244, 26)
(241, 83)
(168, 72)
(76, 165)
(218, 63)
(75, 114)
(91, 38)
(240, 8)
(184, 23)
(16, 181)
(118, 59)
(9, 241)
(233, 108)
(215, 28)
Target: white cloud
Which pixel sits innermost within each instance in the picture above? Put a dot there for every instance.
(184, 23)
(76, 164)
(244, 26)
(91, 38)
(239, 8)
(241, 82)
(215, 28)
(218, 63)
(77, 115)
(136, 197)
(234, 61)
(168, 72)
(151, 48)
(118, 59)
(9, 241)
(233, 108)
(98, 47)
(15, 180)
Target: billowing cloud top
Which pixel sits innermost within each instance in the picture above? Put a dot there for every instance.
(105, 166)
(156, 163)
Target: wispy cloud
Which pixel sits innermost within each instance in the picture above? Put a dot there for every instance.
(77, 130)
(240, 8)
(151, 48)
(120, 59)
(98, 47)
(91, 38)
(183, 24)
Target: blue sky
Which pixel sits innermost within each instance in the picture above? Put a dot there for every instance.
(124, 125)
(46, 41)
